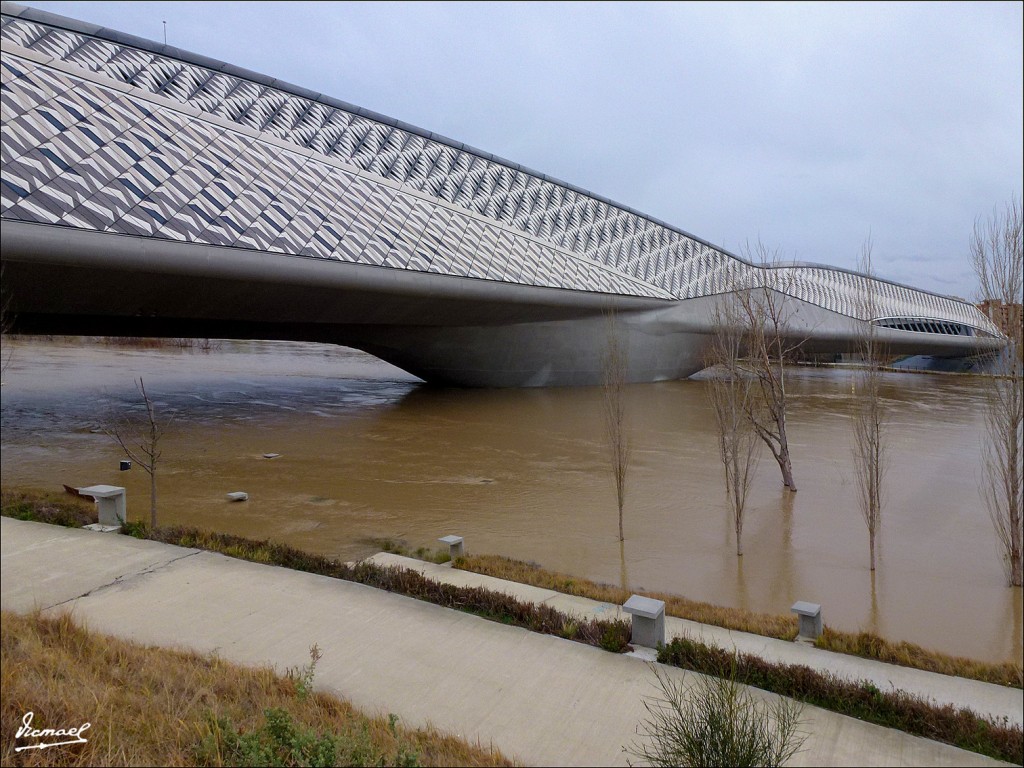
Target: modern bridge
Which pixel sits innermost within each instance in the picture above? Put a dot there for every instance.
(149, 191)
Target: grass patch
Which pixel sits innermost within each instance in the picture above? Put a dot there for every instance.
(871, 646)
(891, 709)
(401, 547)
(864, 644)
(153, 706)
(42, 507)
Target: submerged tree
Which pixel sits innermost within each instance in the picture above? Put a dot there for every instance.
(615, 367)
(996, 257)
(869, 418)
(732, 391)
(765, 313)
(139, 438)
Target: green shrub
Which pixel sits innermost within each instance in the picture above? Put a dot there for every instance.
(279, 742)
(135, 528)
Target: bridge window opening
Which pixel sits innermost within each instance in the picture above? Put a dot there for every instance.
(945, 328)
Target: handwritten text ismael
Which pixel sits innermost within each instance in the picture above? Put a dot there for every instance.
(65, 735)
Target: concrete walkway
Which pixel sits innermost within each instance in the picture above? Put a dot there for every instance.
(984, 698)
(540, 699)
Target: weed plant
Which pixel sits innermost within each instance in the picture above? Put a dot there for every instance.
(715, 721)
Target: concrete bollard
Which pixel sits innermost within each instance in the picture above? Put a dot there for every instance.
(112, 501)
(810, 620)
(454, 545)
(648, 621)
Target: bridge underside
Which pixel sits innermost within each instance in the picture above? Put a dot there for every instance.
(150, 191)
(445, 329)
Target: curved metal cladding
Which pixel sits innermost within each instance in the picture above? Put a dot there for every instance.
(112, 134)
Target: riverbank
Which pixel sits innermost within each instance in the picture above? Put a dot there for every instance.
(159, 706)
(536, 697)
(61, 509)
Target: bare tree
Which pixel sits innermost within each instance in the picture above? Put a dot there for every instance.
(732, 391)
(6, 324)
(996, 257)
(763, 300)
(140, 440)
(615, 368)
(869, 418)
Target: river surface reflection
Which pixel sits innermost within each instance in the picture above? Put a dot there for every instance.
(367, 450)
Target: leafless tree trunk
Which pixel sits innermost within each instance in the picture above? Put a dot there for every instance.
(996, 257)
(763, 300)
(869, 418)
(6, 323)
(732, 391)
(140, 440)
(615, 368)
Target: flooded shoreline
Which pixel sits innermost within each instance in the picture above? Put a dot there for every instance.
(368, 451)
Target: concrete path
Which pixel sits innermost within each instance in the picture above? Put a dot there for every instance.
(984, 698)
(540, 699)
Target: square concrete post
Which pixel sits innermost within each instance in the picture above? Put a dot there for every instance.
(454, 543)
(810, 619)
(112, 502)
(648, 621)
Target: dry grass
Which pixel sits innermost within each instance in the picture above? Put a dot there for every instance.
(151, 706)
(783, 627)
(57, 508)
(861, 644)
(905, 654)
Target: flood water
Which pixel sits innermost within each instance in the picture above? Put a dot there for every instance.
(367, 450)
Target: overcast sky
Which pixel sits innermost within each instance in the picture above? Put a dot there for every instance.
(804, 126)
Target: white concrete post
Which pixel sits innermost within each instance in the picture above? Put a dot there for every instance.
(810, 619)
(648, 621)
(113, 505)
(454, 545)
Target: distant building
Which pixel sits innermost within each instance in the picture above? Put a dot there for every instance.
(1006, 317)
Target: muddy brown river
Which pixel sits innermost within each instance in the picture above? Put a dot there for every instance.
(366, 450)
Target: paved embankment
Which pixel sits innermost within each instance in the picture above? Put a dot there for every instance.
(984, 698)
(539, 698)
